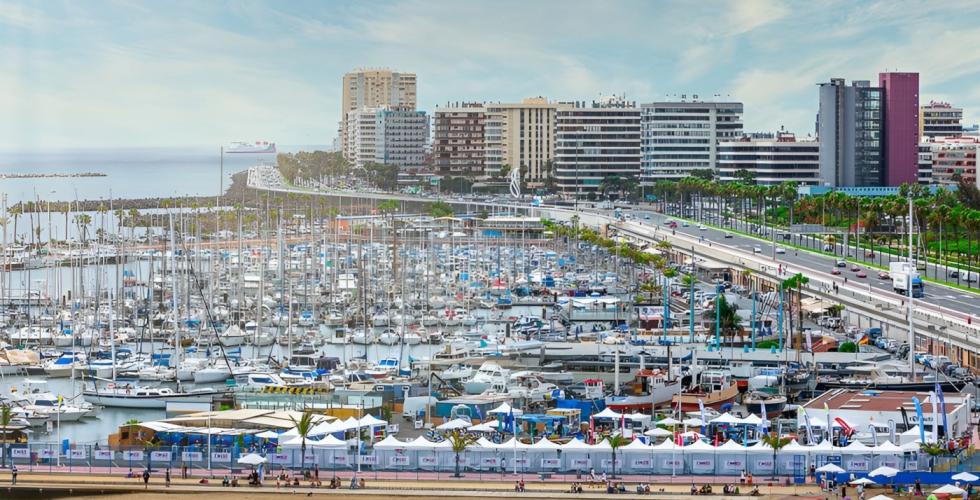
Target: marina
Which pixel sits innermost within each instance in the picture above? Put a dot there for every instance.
(404, 330)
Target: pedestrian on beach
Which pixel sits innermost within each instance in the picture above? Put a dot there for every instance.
(166, 478)
(146, 479)
(13, 475)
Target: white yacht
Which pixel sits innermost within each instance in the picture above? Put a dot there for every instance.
(490, 374)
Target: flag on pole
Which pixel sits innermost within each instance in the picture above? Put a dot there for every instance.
(874, 433)
(942, 407)
(918, 417)
(704, 421)
(934, 401)
(806, 421)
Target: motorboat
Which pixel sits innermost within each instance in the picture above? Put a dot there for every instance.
(489, 374)
(456, 372)
(649, 389)
(774, 404)
(715, 388)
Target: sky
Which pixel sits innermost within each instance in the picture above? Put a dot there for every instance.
(171, 73)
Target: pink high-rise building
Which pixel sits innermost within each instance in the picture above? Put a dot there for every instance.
(901, 117)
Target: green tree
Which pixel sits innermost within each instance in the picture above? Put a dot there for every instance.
(847, 347)
(5, 417)
(616, 442)
(460, 441)
(776, 443)
(745, 176)
(439, 209)
(303, 427)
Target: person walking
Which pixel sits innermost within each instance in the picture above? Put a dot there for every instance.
(166, 478)
(13, 475)
(146, 479)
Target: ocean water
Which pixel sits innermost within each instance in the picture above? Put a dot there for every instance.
(130, 172)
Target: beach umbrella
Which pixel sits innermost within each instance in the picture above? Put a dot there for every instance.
(965, 477)
(252, 459)
(865, 481)
(885, 471)
(831, 468)
(950, 489)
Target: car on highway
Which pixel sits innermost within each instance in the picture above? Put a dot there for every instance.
(646, 216)
(757, 250)
(728, 235)
(862, 274)
(883, 275)
(840, 263)
(685, 224)
(780, 250)
(701, 227)
(835, 271)
(672, 224)
(855, 268)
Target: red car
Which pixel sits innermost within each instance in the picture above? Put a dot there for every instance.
(862, 274)
(882, 275)
(835, 271)
(855, 269)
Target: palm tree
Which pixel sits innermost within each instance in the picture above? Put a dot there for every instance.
(777, 443)
(460, 441)
(303, 426)
(5, 417)
(615, 442)
(797, 281)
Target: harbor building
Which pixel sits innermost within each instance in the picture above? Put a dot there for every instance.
(860, 410)
(925, 162)
(850, 127)
(374, 88)
(521, 135)
(681, 137)
(458, 147)
(596, 141)
(772, 158)
(901, 133)
(940, 119)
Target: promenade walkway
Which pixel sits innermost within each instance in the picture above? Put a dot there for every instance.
(101, 484)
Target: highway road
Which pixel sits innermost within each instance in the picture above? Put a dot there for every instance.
(946, 297)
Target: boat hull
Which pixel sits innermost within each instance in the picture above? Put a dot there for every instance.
(144, 402)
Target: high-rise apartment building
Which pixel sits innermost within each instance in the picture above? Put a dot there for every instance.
(679, 138)
(387, 136)
(940, 119)
(596, 142)
(375, 88)
(772, 159)
(360, 142)
(521, 136)
(925, 162)
(850, 125)
(901, 134)
(401, 136)
(458, 147)
(953, 158)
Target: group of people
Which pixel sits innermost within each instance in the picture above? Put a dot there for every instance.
(705, 489)
(612, 487)
(519, 486)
